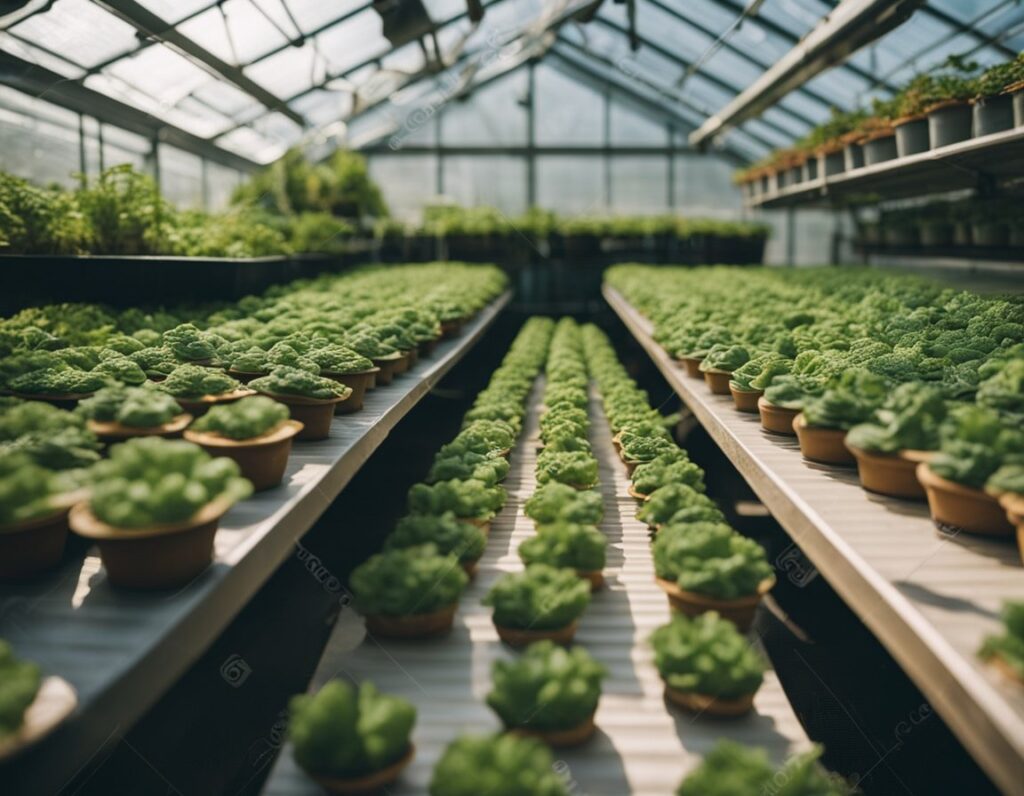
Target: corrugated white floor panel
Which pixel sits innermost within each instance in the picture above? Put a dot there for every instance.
(642, 746)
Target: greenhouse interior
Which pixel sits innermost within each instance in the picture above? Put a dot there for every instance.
(511, 397)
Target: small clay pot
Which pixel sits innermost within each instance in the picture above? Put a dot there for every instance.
(692, 365)
(710, 705)
(33, 546)
(1013, 504)
(115, 432)
(595, 576)
(824, 445)
(387, 367)
(515, 637)
(435, 623)
(739, 611)
(640, 496)
(157, 557)
(891, 474)
(403, 363)
(959, 506)
(367, 783)
(631, 465)
(745, 400)
(573, 736)
(197, 407)
(359, 383)
(450, 329)
(776, 419)
(262, 459)
(315, 414)
(718, 380)
(428, 347)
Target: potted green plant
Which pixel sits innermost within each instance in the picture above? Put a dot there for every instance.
(909, 106)
(549, 693)
(731, 768)
(664, 470)
(720, 362)
(677, 503)
(822, 425)
(501, 765)
(154, 508)
(255, 432)
(1006, 651)
(53, 438)
(445, 532)
(253, 362)
(351, 741)
(878, 136)
(577, 469)
(23, 682)
(156, 362)
(349, 367)
(470, 501)
(60, 385)
(388, 359)
(707, 665)
(707, 566)
(1007, 486)
(636, 449)
(197, 388)
(310, 399)
(749, 380)
(119, 413)
(491, 469)
(993, 110)
(541, 602)
(190, 345)
(950, 118)
(555, 502)
(409, 592)
(34, 505)
(782, 401)
(568, 545)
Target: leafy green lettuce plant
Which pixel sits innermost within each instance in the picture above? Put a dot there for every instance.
(725, 357)
(21, 681)
(407, 581)
(195, 381)
(27, 491)
(344, 733)
(546, 688)
(576, 468)
(975, 445)
(444, 531)
(497, 765)
(710, 558)
(707, 655)
(491, 469)
(245, 419)
(470, 499)
(664, 470)
(566, 544)
(339, 359)
(1009, 646)
(677, 503)
(555, 502)
(137, 407)
(539, 598)
(285, 381)
(852, 399)
(188, 343)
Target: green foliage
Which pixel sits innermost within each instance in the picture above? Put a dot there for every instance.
(576, 468)
(284, 380)
(565, 544)
(975, 445)
(722, 356)
(150, 481)
(444, 531)
(408, 580)
(710, 558)
(677, 503)
(488, 468)
(707, 655)
(189, 344)
(61, 380)
(244, 419)
(546, 688)
(498, 765)
(554, 502)
(139, 407)
(195, 381)
(852, 399)
(125, 212)
(19, 684)
(1009, 646)
(39, 221)
(664, 470)
(344, 733)
(539, 598)
(27, 490)
(339, 359)
(1008, 478)
(470, 499)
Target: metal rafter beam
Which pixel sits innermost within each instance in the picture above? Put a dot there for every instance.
(724, 85)
(852, 25)
(42, 83)
(149, 24)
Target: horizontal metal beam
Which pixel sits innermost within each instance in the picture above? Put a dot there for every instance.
(151, 25)
(41, 83)
(851, 25)
(525, 151)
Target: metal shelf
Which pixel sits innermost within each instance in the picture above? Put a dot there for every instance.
(642, 747)
(929, 599)
(121, 650)
(998, 157)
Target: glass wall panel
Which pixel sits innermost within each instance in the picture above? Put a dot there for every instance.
(567, 111)
(493, 116)
(574, 185)
(407, 181)
(639, 185)
(181, 177)
(486, 180)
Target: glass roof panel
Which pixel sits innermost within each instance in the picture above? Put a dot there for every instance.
(176, 10)
(79, 30)
(290, 71)
(226, 98)
(353, 41)
(777, 117)
(238, 35)
(314, 14)
(323, 107)
(248, 143)
(34, 55)
(159, 72)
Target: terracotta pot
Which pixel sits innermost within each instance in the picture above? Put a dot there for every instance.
(450, 329)
(359, 383)
(387, 367)
(739, 611)
(436, 623)
(262, 459)
(718, 380)
(776, 419)
(33, 546)
(403, 363)
(595, 576)
(157, 557)
(515, 637)
(824, 445)
(631, 465)
(245, 376)
(315, 414)
(998, 663)
(640, 496)
(745, 400)
(367, 783)
(710, 705)
(889, 474)
(115, 432)
(574, 736)
(197, 407)
(1013, 504)
(428, 347)
(692, 365)
(970, 510)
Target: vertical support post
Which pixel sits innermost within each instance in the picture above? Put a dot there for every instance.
(607, 146)
(81, 150)
(671, 130)
(99, 137)
(204, 176)
(531, 135)
(439, 176)
(790, 236)
(154, 158)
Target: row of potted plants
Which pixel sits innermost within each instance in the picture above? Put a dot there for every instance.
(984, 223)
(955, 102)
(919, 387)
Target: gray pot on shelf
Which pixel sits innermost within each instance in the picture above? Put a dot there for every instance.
(853, 156)
(1016, 93)
(912, 136)
(832, 163)
(990, 233)
(992, 114)
(810, 168)
(880, 149)
(949, 123)
(794, 175)
(936, 233)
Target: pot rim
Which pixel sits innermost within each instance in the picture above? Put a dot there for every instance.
(929, 478)
(374, 780)
(114, 428)
(331, 373)
(706, 703)
(286, 429)
(85, 523)
(672, 589)
(223, 397)
(43, 519)
(303, 400)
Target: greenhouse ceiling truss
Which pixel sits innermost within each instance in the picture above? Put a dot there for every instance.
(239, 81)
